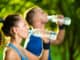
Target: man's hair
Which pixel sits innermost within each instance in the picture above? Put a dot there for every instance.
(29, 14)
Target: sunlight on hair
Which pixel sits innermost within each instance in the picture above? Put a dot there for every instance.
(29, 10)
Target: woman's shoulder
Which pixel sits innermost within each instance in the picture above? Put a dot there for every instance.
(10, 51)
(11, 54)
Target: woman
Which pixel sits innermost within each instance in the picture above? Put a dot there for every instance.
(37, 18)
(15, 27)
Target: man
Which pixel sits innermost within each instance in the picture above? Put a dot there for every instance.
(37, 18)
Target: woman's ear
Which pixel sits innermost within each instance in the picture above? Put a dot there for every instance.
(13, 31)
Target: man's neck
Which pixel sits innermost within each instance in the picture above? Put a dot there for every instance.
(41, 27)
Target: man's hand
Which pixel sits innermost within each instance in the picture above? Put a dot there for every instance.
(60, 21)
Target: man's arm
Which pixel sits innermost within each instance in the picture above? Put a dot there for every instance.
(61, 33)
(60, 37)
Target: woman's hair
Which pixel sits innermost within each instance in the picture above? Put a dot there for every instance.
(9, 22)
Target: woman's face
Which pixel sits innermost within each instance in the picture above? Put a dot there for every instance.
(40, 17)
(22, 29)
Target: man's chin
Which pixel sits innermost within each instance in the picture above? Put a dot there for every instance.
(45, 22)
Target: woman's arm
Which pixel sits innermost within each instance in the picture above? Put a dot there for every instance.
(29, 54)
(45, 55)
(46, 47)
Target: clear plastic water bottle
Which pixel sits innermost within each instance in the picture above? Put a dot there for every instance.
(65, 20)
(35, 32)
(49, 35)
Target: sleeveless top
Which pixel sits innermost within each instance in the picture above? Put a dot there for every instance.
(23, 57)
(34, 44)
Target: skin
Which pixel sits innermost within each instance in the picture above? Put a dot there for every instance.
(39, 21)
(19, 32)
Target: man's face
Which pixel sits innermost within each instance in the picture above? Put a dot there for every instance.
(40, 17)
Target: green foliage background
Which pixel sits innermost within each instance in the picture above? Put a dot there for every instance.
(70, 48)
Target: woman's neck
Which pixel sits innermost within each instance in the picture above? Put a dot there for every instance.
(16, 40)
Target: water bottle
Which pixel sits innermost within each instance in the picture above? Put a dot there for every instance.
(50, 35)
(65, 20)
(35, 32)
